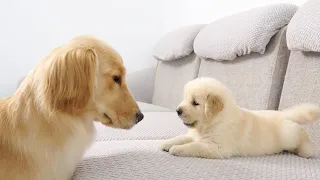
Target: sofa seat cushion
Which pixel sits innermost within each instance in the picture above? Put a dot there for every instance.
(146, 107)
(304, 27)
(177, 43)
(242, 33)
(155, 125)
(127, 160)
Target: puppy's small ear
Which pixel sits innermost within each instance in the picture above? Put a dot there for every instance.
(213, 106)
(70, 79)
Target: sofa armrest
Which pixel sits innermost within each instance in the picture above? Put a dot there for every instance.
(140, 84)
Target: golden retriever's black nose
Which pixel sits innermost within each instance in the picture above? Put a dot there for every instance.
(179, 111)
(139, 116)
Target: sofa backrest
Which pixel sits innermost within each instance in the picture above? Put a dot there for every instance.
(170, 79)
(177, 64)
(302, 81)
(246, 51)
(255, 79)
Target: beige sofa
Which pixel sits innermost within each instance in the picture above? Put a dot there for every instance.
(248, 52)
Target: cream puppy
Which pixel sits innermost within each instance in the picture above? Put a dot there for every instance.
(219, 128)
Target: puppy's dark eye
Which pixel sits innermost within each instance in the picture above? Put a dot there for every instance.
(117, 79)
(195, 103)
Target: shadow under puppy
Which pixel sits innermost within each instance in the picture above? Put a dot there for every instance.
(219, 128)
(47, 124)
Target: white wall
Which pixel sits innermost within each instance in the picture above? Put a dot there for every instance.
(30, 29)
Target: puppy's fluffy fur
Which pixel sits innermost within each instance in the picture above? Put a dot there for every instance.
(46, 125)
(219, 128)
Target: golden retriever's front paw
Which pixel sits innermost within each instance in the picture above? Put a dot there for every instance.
(178, 150)
(165, 146)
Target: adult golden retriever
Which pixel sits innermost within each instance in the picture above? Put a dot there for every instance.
(219, 128)
(47, 124)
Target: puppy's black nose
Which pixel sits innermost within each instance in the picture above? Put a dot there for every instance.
(179, 111)
(139, 116)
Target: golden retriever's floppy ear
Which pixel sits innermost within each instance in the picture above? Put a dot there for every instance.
(213, 106)
(70, 79)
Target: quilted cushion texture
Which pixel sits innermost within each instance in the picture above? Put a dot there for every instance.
(304, 28)
(177, 44)
(242, 33)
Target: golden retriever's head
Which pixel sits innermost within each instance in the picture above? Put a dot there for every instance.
(204, 99)
(86, 77)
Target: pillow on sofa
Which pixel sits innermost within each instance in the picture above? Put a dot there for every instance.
(242, 33)
(303, 32)
(176, 44)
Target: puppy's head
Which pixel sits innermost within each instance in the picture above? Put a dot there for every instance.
(86, 76)
(204, 99)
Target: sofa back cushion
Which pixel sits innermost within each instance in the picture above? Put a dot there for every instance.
(242, 33)
(255, 79)
(177, 43)
(170, 79)
(304, 28)
(302, 81)
(177, 64)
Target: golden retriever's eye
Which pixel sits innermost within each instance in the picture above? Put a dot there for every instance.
(195, 103)
(117, 79)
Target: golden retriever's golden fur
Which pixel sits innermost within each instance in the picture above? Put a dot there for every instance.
(219, 128)
(47, 124)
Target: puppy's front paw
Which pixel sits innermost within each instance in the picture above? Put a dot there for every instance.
(178, 150)
(165, 146)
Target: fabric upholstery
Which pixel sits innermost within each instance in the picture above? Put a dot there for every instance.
(304, 28)
(128, 160)
(140, 84)
(314, 134)
(171, 76)
(302, 81)
(176, 44)
(242, 33)
(255, 80)
(155, 125)
(146, 107)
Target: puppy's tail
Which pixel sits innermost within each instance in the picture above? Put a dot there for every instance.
(302, 114)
